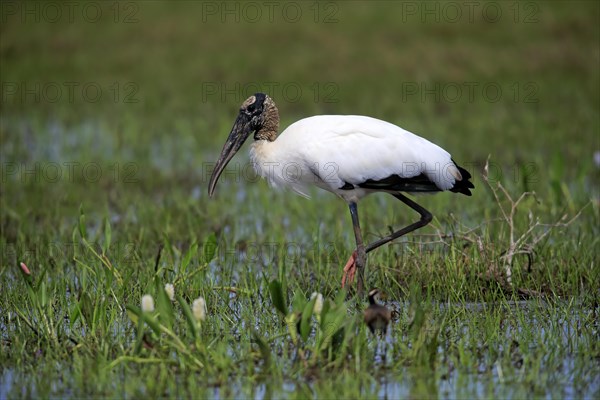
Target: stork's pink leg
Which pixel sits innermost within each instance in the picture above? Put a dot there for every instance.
(349, 270)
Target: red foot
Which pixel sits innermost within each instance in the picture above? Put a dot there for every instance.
(349, 270)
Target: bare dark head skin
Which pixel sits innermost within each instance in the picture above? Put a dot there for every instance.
(257, 114)
(377, 316)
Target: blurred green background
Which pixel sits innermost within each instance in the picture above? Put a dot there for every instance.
(159, 83)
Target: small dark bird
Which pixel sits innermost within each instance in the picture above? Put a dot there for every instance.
(377, 316)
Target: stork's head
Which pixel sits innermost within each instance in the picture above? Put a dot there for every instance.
(257, 115)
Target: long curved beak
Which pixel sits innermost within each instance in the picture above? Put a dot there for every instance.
(239, 133)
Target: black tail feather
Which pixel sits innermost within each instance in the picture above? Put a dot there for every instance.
(463, 186)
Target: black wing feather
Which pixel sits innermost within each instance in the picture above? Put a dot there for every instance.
(417, 184)
(396, 183)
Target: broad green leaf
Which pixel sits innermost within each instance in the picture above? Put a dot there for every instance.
(306, 316)
(188, 256)
(277, 297)
(330, 325)
(165, 308)
(326, 307)
(298, 302)
(86, 307)
(291, 320)
(210, 248)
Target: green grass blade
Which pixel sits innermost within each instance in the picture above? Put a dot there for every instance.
(277, 297)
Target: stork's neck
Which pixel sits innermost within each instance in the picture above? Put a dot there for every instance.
(270, 126)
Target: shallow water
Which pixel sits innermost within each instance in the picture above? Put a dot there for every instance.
(484, 381)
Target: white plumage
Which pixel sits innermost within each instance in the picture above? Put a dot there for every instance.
(349, 155)
(322, 151)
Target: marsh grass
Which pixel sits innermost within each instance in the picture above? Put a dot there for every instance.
(462, 326)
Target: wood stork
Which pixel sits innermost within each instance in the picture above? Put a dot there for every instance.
(377, 316)
(349, 155)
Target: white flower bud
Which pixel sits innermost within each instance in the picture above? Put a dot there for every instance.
(170, 289)
(147, 303)
(318, 303)
(199, 309)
